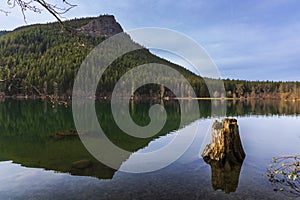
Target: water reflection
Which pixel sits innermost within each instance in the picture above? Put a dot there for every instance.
(28, 136)
(225, 175)
(262, 107)
(27, 129)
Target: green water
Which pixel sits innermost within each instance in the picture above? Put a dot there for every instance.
(35, 163)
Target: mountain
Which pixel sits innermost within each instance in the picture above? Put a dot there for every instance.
(38, 58)
(43, 59)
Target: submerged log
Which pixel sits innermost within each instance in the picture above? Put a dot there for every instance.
(67, 134)
(225, 155)
(81, 164)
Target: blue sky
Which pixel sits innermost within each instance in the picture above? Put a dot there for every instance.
(253, 40)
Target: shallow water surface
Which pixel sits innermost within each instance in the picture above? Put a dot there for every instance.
(36, 163)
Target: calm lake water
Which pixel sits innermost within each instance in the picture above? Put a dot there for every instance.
(36, 163)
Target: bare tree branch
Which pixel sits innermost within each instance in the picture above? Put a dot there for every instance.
(284, 174)
(5, 12)
(37, 6)
(24, 6)
(56, 11)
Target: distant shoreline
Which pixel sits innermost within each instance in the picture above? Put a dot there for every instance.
(230, 98)
(64, 98)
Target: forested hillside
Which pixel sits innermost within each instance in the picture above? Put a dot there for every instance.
(44, 59)
(40, 55)
(37, 59)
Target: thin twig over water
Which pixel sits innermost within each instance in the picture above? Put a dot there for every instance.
(284, 174)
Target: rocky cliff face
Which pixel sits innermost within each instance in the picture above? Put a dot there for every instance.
(105, 25)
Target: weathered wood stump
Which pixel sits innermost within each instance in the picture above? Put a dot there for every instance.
(225, 155)
(225, 143)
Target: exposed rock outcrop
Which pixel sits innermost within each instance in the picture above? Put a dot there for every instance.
(104, 25)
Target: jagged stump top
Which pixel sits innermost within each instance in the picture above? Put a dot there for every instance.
(225, 142)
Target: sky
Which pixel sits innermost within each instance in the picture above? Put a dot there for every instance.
(250, 40)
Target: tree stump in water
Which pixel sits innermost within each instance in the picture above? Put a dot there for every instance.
(225, 143)
(225, 155)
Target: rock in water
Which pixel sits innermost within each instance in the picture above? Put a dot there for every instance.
(225, 155)
(225, 143)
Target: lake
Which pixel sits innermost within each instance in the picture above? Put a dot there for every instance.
(37, 162)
